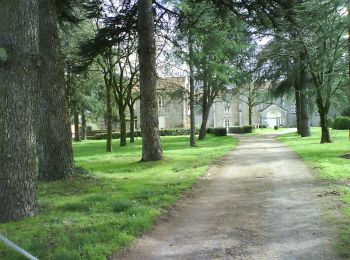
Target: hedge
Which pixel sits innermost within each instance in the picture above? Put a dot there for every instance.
(341, 123)
(240, 129)
(162, 132)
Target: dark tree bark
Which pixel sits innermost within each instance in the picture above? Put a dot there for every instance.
(304, 106)
(55, 153)
(76, 125)
(192, 112)
(297, 104)
(19, 62)
(205, 111)
(132, 123)
(250, 111)
(83, 124)
(109, 117)
(323, 109)
(122, 123)
(151, 146)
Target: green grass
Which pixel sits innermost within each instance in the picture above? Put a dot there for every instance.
(93, 215)
(324, 158)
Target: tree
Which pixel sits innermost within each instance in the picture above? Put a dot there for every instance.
(151, 146)
(19, 61)
(55, 153)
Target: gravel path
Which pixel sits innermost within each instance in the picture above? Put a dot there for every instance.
(259, 202)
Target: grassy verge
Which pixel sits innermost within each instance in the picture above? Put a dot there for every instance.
(326, 160)
(92, 216)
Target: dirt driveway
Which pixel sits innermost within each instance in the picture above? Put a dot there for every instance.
(259, 202)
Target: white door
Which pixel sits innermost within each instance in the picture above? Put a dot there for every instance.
(272, 122)
(161, 120)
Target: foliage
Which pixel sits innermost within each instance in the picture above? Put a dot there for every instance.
(241, 129)
(341, 123)
(91, 218)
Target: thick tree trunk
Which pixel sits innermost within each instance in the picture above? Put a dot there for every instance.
(122, 120)
(297, 105)
(132, 123)
(76, 125)
(109, 118)
(55, 153)
(19, 61)
(250, 111)
(83, 124)
(192, 112)
(304, 106)
(151, 147)
(323, 112)
(205, 116)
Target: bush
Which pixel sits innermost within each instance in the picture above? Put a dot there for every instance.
(262, 126)
(247, 129)
(341, 123)
(220, 131)
(235, 130)
(241, 129)
(162, 132)
(276, 127)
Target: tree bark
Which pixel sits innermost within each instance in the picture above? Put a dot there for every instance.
(122, 120)
(323, 112)
(55, 152)
(297, 104)
(19, 62)
(250, 114)
(205, 116)
(76, 125)
(304, 106)
(109, 118)
(192, 112)
(151, 146)
(132, 123)
(83, 124)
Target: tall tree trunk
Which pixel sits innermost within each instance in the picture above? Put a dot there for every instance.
(109, 118)
(323, 112)
(76, 125)
(304, 106)
(132, 123)
(205, 116)
(192, 112)
(55, 152)
(83, 124)
(250, 111)
(122, 120)
(19, 77)
(151, 146)
(297, 105)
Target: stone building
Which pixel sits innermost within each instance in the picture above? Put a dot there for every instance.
(173, 109)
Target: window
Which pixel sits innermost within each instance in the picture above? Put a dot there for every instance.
(293, 108)
(160, 102)
(227, 122)
(227, 108)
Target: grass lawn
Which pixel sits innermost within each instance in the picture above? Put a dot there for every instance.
(92, 216)
(324, 158)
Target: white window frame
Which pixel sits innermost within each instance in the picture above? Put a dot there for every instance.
(227, 122)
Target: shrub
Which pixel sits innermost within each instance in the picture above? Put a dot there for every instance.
(240, 129)
(247, 129)
(220, 131)
(341, 123)
(276, 127)
(235, 130)
(262, 126)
